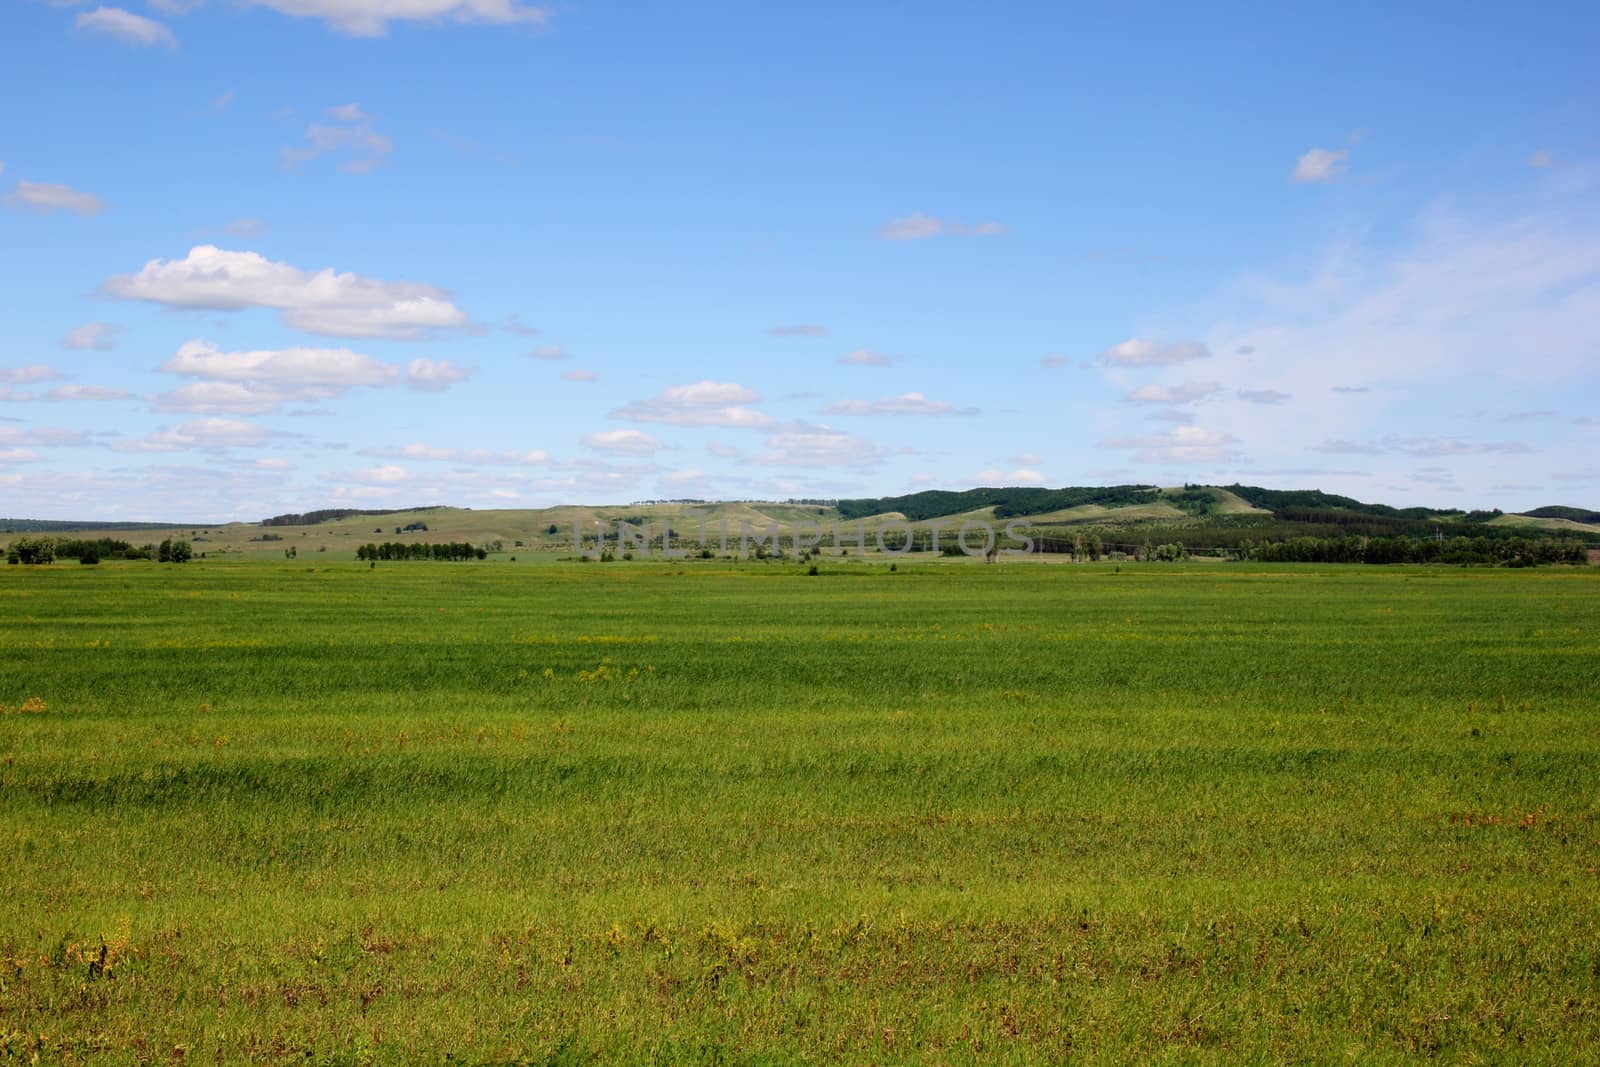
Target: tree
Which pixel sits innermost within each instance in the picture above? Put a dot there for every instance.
(34, 550)
(171, 551)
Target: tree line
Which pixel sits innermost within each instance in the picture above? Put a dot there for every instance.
(400, 550)
(1512, 551)
(39, 550)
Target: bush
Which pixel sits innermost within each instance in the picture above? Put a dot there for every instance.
(34, 550)
(171, 551)
(89, 559)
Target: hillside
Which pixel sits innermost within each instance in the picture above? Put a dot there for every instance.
(1219, 516)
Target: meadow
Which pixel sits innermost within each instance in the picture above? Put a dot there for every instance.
(316, 811)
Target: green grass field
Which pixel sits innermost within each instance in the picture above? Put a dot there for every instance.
(316, 812)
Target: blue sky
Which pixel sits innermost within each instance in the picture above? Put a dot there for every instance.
(270, 255)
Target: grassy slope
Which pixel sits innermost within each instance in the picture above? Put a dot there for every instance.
(1535, 525)
(965, 813)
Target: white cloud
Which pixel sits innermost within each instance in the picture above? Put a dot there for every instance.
(1056, 361)
(578, 375)
(230, 398)
(46, 436)
(86, 392)
(1181, 393)
(684, 477)
(11, 395)
(418, 452)
(252, 383)
(33, 372)
(800, 330)
(247, 228)
(11, 456)
(1321, 165)
(818, 446)
(337, 368)
(549, 352)
(208, 434)
(388, 474)
(1540, 159)
(704, 403)
(1136, 352)
(48, 197)
(1186, 444)
(126, 27)
(434, 376)
(623, 443)
(1400, 444)
(514, 324)
(1263, 396)
(361, 147)
(905, 404)
(324, 302)
(99, 336)
(863, 357)
(994, 476)
(917, 226)
(371, 18)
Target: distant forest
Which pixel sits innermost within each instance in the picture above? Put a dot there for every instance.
(311, 518)
(1007, 503)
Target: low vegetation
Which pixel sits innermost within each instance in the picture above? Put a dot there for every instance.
(737, 813)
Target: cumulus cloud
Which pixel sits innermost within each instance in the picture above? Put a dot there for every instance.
(86, 392)
(360, 147)
(1540, 159)
(45, 198)
(623, 443)
(1182, 393)
(1186, 444)
(917, 227)
(1321, 165)
(371, 18)
(1136, 352)
(33, 372)
(514, 324)
(99, 336)
(578, 375)
(1056, 361)
(418, 452)
(126, 27)
(434, 376)
(1263, 396)
(1400, 444)
(338, 368)
(256, 382)
(42, 436)
(994, 476)
(549, 352)
(201, 434)
(817, 446)
(705, 403)
(905, 404)
(863, 357)
(801, 330)
(324, 302)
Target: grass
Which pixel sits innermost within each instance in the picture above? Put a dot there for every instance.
(718, 813)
